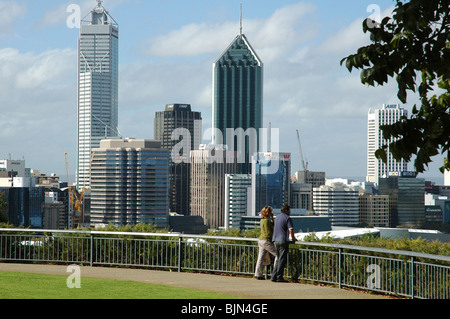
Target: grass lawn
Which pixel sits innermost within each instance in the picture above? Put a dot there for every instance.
(36, 286)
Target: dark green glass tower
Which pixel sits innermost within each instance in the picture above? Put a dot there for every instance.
(238, 99)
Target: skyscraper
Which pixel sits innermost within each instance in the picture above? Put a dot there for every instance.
(388, 114)
(179, 116)
(98, 68)
(130, 179)
(407, 196)
(271, 180)
(238, 100)
(209, 165)
(337, 201)
(237, 198)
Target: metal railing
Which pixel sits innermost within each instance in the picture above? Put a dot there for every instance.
(401, 273)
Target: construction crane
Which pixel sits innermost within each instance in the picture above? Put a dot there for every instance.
(73, 194)
(302, 162)
(69, 190)
(80, 199)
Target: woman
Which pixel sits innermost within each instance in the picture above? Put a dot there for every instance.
(265, 240)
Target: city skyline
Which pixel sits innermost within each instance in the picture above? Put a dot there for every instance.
(167, 50)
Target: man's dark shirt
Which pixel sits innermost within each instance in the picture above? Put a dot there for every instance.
(281, 228)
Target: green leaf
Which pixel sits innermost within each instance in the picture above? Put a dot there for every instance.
(381, 154)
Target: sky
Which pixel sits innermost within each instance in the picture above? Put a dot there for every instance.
(166, 52)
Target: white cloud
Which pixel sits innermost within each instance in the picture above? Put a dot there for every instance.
(9, 12)
(191, 40)
(38, 105)
(30, 73)
(271, 36)
(58, 15)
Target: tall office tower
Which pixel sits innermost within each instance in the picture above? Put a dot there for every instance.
(388, 114)
(237, 198)
(337, 201)
(129, 182)
(271, 181)
(209, 165)
(25, 206)
(407, 195)
(238, 100)
(98, 73)
(179, 116)
(374, 210)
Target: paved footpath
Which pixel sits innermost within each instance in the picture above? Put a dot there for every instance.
(248, 288)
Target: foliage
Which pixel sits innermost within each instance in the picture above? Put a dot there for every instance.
(414, 47)
(419, 245)
(231, 232)
(416, 245)
(138, 228)
(312, 237)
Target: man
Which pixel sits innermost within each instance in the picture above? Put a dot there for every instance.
(282, 228)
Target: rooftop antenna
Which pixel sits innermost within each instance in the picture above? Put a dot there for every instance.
(241, 21)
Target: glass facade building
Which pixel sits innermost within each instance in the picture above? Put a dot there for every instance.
(179, 116)
(407, 196)
(271, 180)
(129, 183)
(25, 206)
(237, 196)
(98, 73)
(238, 100)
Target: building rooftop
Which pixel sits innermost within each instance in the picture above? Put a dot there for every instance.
(129, 143)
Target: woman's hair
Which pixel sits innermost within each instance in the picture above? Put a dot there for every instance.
(266, 211)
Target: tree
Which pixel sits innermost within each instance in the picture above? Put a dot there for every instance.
(414, 48)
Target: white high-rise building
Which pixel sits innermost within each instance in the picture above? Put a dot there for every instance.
(98, 68)
(446, 178)
(387, 115)
(130, 183)
(337, 201)
(237, 198)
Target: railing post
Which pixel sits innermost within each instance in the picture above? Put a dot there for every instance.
(91, 261)
(340, 268)
(180, 252)
(413, 277)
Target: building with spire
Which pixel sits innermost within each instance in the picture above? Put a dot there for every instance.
(238, 100)
(98, 73)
